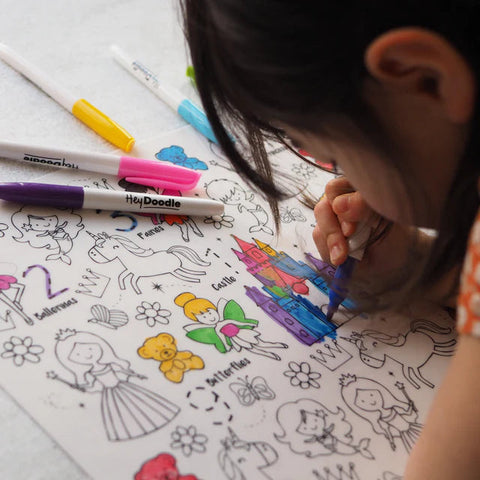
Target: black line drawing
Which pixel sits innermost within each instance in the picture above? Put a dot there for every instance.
(108, 318)
(248, 392)
(225, 326)
(209, 402)
(128, 410)
(341, 473)
(330, 354)
(220, 221)
(388, 415)
(311, 429)
(9, 283)
(188, 440)
(288, 215)
(53, 229)
(22, 350)
(412, 349)
(390, 476)
(232, 193)
(303, 170)
(48, 281)
(139, 262)
(3, 228)
(95, 284)
(152, 313)
(301, 375)
(242, 460)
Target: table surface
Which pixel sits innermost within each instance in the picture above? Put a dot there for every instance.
(70, 40)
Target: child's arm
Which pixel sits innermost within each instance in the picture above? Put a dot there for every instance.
(449, 446)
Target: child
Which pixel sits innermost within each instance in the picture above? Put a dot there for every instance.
(386, 91)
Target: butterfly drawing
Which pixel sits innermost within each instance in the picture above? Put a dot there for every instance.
(288, 215)
(249, 392)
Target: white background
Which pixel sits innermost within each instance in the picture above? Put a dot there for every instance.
(70, 40)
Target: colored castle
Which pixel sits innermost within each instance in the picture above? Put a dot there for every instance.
(284, 282)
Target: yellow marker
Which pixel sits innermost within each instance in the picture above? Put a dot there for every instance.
(84, 111)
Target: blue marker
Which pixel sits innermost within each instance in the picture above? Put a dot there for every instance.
(339, 290)
(190, 112)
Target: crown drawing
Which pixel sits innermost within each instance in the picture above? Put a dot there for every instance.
(6, 322)
(94, 284)
(64, 333)
(341, 473)
(331, 355)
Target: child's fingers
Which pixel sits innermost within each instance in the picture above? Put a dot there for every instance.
(351, 207)
(337, 186)
(327, 234)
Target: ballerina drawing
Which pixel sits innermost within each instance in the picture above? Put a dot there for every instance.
(53, 229)
(388, 415)
(128, 410)
(224, 326)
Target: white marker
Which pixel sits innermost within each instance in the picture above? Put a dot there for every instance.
(136, 170)
(62, 196)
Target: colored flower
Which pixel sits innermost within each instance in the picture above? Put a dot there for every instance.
(220, 221)
(152, 313)
(22, 350)
(300, 374)
(188, 440)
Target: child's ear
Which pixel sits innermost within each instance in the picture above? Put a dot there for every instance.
(422, 62)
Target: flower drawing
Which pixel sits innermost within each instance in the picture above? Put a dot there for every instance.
(152, 313)
(189, 440)
(303, 170)
(301, 375)
(219, 221)
(21, 350)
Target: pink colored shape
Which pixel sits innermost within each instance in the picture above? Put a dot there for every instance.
(230, 330)
(6, 281)
(162, 467)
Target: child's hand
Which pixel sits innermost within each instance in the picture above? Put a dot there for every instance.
(338, 214)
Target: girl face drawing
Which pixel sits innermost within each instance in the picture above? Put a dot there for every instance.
(369, 399)
(86, 353)
(209, 317)
(39, 224)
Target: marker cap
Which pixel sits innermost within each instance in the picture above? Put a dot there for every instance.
(102, 124)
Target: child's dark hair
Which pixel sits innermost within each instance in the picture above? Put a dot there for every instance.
(263, 63)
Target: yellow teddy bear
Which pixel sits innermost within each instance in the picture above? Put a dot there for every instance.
(173, 363)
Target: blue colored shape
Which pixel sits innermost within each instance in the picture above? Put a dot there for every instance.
(177, 156)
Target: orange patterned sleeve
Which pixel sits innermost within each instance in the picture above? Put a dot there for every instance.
(468, 310)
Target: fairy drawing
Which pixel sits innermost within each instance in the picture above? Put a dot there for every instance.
(224, 326)
(311, 429)
(388, 415)
(54, 229)
(232, 193)
(11, 292)
(128, 410)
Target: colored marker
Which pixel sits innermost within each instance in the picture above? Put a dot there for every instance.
(338, 291)
(83, 110)
(65, 196)
(136, 170)
(190, 112)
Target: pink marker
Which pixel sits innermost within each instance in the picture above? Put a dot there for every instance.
(153, 173)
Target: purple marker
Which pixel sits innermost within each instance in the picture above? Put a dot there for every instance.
(50, 195)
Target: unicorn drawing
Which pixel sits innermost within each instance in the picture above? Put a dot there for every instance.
(412, 349)
(139, 262)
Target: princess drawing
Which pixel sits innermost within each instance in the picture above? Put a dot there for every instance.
(128, 410)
